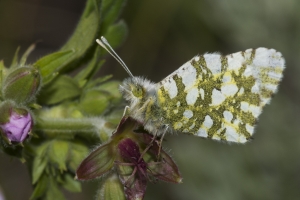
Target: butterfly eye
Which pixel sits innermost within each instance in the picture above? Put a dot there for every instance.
(138, 91)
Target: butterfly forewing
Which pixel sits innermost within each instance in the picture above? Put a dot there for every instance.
(220, 97)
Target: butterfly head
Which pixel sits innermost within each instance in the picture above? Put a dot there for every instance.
(136, 89)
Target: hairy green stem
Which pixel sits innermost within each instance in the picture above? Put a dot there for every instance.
(67, 127)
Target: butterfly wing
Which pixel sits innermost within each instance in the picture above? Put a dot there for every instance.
(220, 97)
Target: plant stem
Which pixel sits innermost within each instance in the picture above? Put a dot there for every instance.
(67, 128)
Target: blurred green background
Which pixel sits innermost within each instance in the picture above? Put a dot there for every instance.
(162, 36)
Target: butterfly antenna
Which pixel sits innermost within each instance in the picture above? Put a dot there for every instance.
(104, 43)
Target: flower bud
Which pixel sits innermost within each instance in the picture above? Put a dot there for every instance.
(22, 84)
(111, 189)
(15, 123)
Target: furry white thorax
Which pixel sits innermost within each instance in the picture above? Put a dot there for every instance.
(138, 106)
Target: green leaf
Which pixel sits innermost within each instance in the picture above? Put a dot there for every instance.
(62, 88)
(52, 63)
(97, 5)
(89, 71)
(70, 184)
(53, 191)
(15, 60)
(26, 54)
(40, 162)
(112, 87)
(40, 188)
(92, 6)
(77, 153)
(2, 66)
(39, 166)
(111, 10)
(116, 33)
(49, 78)
(2, 73)
(85, 34)
(97, 81)
(77, 46)
(58, 154)
(94, 102)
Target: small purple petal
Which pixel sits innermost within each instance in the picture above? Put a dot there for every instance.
(135, 184)
(18, 127)
(129, 150)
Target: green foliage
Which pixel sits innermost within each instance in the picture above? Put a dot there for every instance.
(53, 161)
(63, 128)
(50, 64)
(61, 88)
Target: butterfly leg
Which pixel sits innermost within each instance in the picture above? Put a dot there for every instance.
(131, 177)
(149, 146)
(143, 108)
(126, 111)
(127, 181)
(161, 140)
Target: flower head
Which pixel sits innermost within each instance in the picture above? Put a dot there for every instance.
(132, 155)
(15, 123)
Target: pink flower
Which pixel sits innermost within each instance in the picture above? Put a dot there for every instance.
(16, 123)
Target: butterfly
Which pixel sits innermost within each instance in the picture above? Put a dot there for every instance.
(211, 96)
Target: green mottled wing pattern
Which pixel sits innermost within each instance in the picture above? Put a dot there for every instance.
(220, 97)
